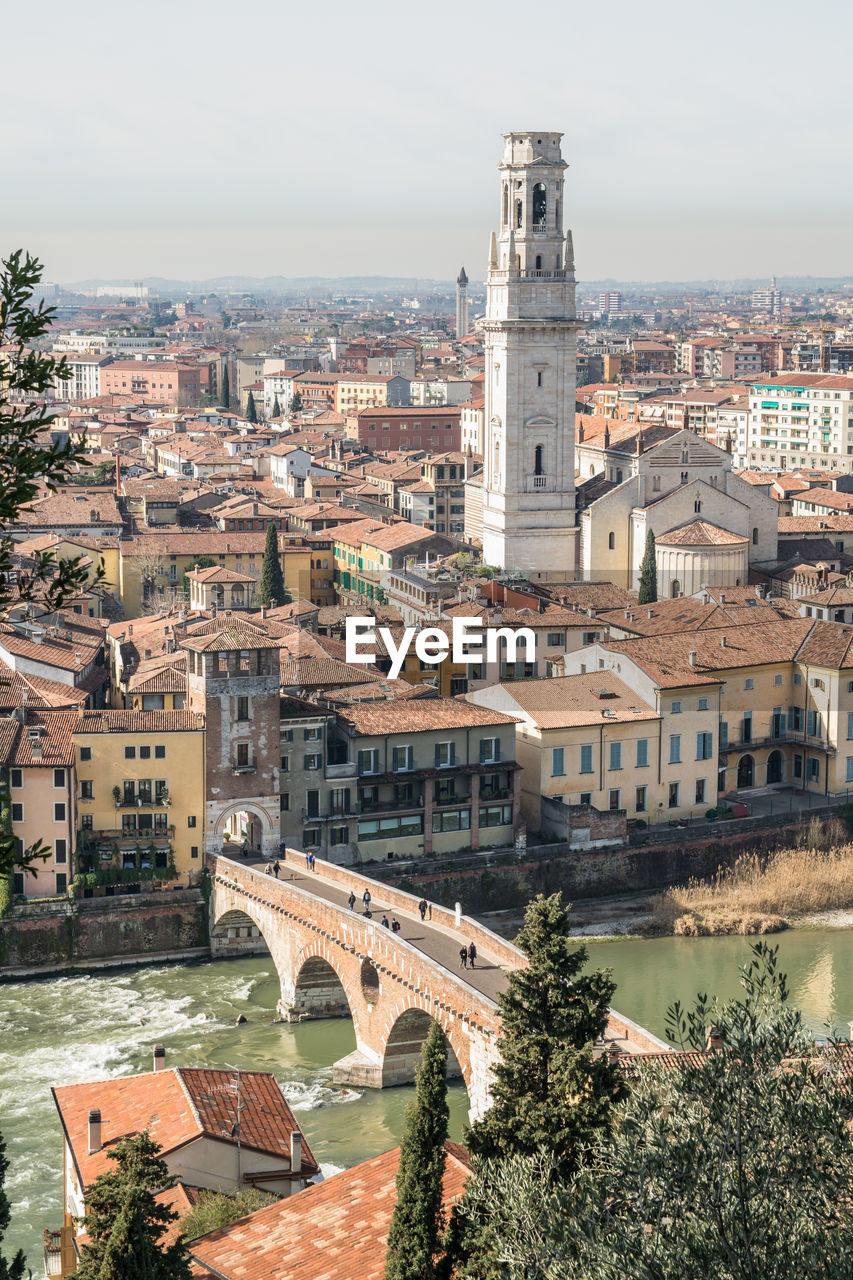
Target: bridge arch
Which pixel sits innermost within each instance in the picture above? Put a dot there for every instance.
(236, 932)
(404, 1040)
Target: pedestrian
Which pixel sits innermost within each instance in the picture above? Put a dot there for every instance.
(276, 866)
(268, 869)
(386, 922)
(472, 954)
(463, 957)
(351, 900)
(422, 907)
(395, 926)
(365, 897)
(308, 862)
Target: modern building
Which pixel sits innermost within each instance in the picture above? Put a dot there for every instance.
(801, 420)
(530, 339)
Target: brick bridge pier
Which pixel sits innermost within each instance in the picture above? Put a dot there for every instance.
(333, 962)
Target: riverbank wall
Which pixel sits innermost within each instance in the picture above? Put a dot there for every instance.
(496, 885)
(57, 936)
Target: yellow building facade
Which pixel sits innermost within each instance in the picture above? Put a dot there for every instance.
(141, 785)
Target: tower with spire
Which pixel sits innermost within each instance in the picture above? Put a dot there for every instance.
(530, 339)
(461, 303)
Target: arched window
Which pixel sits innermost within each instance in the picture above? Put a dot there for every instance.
(539, 460)
(539, 262)
(506, 204)
(611, 541)
(557, 213)
(518, 213)
(697, 506)
(496, 462)
(540, 205)
(656, 484)
(685, 455)
(539, 377)
(755, 537)
(676, 588)
(618, 475)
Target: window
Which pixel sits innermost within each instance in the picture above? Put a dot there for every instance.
(700, 791)
(586, 758)
(675, 708)
(749, 683)
(615, 796)
(640, 800)
(555, 639)
(702, 704)
(59, 777)
(368, 761)
(813, 724)
(499, 815)
(642, 753)
(242, 708)
(795, 718)
(490, 750)
(558, 762)
(144, 753)
(85, 753)
(777, 679)
(312, 735)
(611, 541)
(615, 755)
(585, 797)
(675, 748)
(17, 813)
(313, 761)
(339, 835)
(287, 735)
(311, 838)
(674, 788)
(849, 777)
(87, 790)
(849, 725)
(403, 759)
(60, 850)
(445, 755)
(798, 679)
(59, 813)
(17, 778)
(452, 820)
(391, 828)
(130, 753)
(87, 822)
(704, 746)
(814, 769)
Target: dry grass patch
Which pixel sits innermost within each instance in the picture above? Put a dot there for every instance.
(760, 892)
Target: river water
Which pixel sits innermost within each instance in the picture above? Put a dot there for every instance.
(63, 1030)
(86, 1027)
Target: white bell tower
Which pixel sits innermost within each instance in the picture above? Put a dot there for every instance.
(530, 328)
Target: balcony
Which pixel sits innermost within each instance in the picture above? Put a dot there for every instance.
(243, 768)
(793, 737)
(347, 769)
(535, 483)
(445, 800)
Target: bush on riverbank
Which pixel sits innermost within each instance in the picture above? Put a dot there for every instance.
(760, 892)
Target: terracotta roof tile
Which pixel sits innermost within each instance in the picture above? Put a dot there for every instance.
(378, 718)
(336, 1230)
(137, 722)
(700, 533)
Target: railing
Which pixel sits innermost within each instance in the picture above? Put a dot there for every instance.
(346, 769)
(537, 482)
(443, 800)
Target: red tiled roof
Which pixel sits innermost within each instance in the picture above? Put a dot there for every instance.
(177, 1106)
(137, 722)
(336, 1230)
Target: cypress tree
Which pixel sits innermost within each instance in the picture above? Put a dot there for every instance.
(15, 1269)
(273, 591)
(296, 403)
(548, 1089)
(648, 592)
(226, 390)
(417, 1220)
(251, 411)
(126, 1224)
(276, 409)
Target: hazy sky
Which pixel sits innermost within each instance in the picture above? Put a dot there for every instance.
(195, 138)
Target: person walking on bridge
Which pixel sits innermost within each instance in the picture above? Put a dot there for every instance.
(463, 957)
(422, 907)
(351, 900)
(276, 866)
(472, 955)
(365, 897)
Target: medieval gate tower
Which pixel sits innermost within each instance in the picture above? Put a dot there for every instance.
(530, 328)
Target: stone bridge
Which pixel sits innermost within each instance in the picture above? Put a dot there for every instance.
(334, 962)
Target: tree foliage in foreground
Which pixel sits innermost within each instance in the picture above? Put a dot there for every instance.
(214, 1209)
(125, 1223)
(417, 1221)
(735, 1165)
(15, 1269)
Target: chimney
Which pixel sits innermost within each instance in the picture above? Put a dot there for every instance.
(580, 433)
(691, 657)
(651, 613)
(607, 437)
(715, 1042)
(295, 1151)
(95, 1143)
(722, 599)
(159, 1057)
